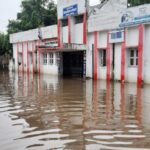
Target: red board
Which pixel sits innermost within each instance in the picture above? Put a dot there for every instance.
(140, 55)
(95, 54)
(108, 58)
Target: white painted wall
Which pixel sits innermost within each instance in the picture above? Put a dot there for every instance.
(78, 33)
(89, 57)
(102, 44)
(48, 68)
(117, 69)
(31, 35)
(131, 41)
(65, 34)
(146, 62)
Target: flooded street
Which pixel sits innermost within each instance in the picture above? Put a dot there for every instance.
(47, 112)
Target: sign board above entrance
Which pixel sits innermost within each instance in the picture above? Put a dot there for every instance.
(73, 47)
(70, 7)
(135, 15)
(71, 10)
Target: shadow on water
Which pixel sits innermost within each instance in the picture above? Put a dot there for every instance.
(49, 112)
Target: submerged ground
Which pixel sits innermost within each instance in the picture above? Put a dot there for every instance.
(47, 112)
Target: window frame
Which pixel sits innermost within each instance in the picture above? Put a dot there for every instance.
(65, 22)
(79, 19)
(51, 58)
(44, 58)
(102, 60)
(57, 58)
(133, 58)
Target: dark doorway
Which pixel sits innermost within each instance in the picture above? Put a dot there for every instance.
(73, 64)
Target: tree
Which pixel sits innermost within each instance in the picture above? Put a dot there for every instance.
(34, 14)
(4, 44)
(138, 2)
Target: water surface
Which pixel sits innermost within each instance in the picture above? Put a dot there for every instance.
(47, 112)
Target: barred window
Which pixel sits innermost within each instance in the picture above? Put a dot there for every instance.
(57, 58)
(103, 57)
(65, 22)
(78, 19)
(51, 58)
(45, 59)
(133, 57)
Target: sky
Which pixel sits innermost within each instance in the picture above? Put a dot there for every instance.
(10, 8)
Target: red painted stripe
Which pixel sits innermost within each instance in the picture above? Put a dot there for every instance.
(123, 50)
(95, 54)
(84, 29)
(18, 56)
(27, 57)
(23, 57)
(39, 60)
(69, 29)
(122, 100)
(140, 55)
(33, 46)
(59, 30)
(108, 58)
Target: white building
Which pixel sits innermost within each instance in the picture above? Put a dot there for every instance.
(29, 51)
(107, 41)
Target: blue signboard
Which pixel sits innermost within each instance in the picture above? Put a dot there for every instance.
(71, 10)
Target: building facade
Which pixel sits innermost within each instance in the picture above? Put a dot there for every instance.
(107, 41)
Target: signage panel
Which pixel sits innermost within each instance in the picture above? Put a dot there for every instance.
(70, 7)
(71, 10)
(106, 17)
(135, 15)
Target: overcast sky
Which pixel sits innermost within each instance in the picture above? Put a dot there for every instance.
(9, 9)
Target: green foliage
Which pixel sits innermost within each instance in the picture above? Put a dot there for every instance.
(4, 44)
(138, 2)
(34, 14)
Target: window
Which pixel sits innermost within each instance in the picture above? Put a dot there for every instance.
(20, 59)
(103, 57)
(57, 58)
(116, 35)
(133, 57)
(65, 22)
(45, 59)
(51, 58)
(79, 19)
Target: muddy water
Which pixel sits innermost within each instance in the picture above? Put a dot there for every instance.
(43, 113)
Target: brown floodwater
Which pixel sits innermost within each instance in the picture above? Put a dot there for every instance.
(48, 112)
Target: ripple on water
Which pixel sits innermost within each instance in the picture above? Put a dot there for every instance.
(43, 112)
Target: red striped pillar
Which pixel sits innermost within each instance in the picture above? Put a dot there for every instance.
(27, 57)
(39, 60)
(18, 56)
(22, 57)
(84, 29)
(95, 54)
(123, 50)
(33, 46)
(140, 55)
(108, 59)
(69, 29)
(59, 31)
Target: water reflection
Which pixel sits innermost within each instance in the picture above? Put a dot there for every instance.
(48, 112)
